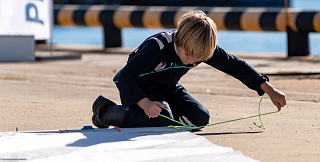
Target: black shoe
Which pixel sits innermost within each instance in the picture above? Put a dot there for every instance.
(100, 105)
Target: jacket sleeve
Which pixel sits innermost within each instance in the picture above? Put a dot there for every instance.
(128, 77)
(237, 68)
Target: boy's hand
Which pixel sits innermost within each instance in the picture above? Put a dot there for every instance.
(277, 97)
(151, 108)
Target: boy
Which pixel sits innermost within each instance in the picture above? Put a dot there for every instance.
(148, 84)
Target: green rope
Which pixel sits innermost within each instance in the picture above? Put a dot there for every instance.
(260, 114)
(187, 127)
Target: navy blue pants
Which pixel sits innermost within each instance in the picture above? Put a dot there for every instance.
(185, 108)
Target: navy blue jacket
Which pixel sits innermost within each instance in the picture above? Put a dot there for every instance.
(156, 65)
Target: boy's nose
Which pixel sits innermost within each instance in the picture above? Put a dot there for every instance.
(191, 60)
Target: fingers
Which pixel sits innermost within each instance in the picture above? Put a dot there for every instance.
(284, 101)
(160, 104)
(279, 99)
(279, 107)
(155, 113)
(280, 104)
(155, 110)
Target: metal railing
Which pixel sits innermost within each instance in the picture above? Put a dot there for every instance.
(296, 23)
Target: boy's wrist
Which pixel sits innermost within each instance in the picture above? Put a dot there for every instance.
(267, 87)
(143, 103)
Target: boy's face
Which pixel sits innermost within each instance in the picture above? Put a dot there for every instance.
(184, 57)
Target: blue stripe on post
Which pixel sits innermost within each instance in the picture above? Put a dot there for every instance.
(106, 15)
(167, 19)
(78, 15)
(205, 9)
(55, 15)
(267, 20)
(112, 34)
(232, 20)
(136, 17)
(304, 22)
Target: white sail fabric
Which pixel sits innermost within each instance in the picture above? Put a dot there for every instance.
(131, 144)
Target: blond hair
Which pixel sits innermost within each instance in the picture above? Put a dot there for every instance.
(197, 35)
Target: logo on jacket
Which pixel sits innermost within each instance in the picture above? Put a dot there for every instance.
(160, 66)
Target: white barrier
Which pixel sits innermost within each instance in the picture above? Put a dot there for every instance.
(26, 17)
(22, 22)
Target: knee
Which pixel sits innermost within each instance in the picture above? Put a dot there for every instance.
(202, 117)
(203, 120)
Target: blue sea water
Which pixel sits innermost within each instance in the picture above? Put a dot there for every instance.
(232, 41)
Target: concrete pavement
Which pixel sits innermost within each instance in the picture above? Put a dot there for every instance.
(58, 92)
